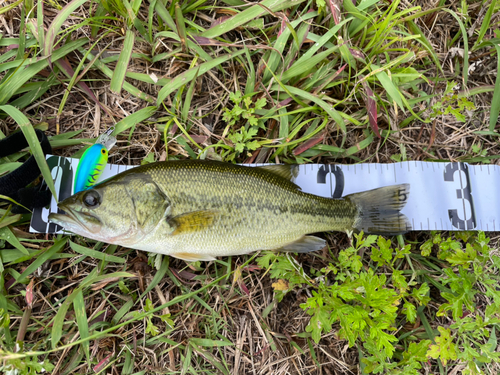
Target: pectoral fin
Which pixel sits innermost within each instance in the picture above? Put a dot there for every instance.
(192, 257)
(305, 244)
(192, 221)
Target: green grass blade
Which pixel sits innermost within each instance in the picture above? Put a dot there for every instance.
(57, 327)
(485, 25)
(151, 14)
(122, 64)
(284, 130)
(134, 119)
(33, 142)
(495, 103)
(122, 311)
(96, 254)
(192, 43)
(208, 343)
(5, 9)
(56, 24)
(7, 55)
(34, 91)
(59, 318)
(296, 46)
(100, 12)
(465, 71)
(359, 146)
(186, 361)
(210, 358)
(322, 41)
(8, 220)
(181, 27)
(248, 15)
(41, 259)
(7, 335)
(132, 18)
(425, 42)
(157, 277)
(20, 77)
(390, 88)
(381, 28)
(18, 64)
(366, 4)
(355, 11)
(4, 197)
(165, 15)
(188, 75)
(276, 55)
(187, 100)
(250, 84)
(81, 321)
(327, 107)
(40, 27)
(143, 77)
(7, 235)
(346, 54)
(126, 86)
(303, 66)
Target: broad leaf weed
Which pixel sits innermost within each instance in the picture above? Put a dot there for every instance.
(372, 305)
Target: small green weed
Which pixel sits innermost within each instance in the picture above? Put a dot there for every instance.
(474, 270)
(371, 304)
(243, 139)
(243, 108)
(150, 327)
(478, 150)
(452, 104)
(13, 364)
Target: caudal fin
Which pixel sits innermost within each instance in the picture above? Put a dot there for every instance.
(379, 210)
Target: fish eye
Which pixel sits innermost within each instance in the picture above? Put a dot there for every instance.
(92, 199)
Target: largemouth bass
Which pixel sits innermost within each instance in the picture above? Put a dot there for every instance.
(198, 210)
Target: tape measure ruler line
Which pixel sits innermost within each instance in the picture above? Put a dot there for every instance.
(443, 196)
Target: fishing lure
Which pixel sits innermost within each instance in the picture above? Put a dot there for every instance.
(93, 161)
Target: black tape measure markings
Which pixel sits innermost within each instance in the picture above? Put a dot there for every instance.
(443, 196)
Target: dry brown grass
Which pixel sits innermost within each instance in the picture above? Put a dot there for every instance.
(262, 342)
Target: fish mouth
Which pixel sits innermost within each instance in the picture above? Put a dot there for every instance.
(72, 219)
(61, 219)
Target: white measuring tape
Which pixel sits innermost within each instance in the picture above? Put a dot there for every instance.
(443, 196)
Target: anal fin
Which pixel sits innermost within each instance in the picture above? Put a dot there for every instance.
(305, 244)
(192, 257)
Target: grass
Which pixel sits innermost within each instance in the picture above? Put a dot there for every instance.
(280, 81)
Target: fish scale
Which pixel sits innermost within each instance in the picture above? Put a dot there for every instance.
(272, 206)
(197, 210)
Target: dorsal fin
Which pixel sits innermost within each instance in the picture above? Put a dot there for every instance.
(287, 171)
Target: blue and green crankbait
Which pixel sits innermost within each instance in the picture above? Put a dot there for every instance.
(93, 161)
